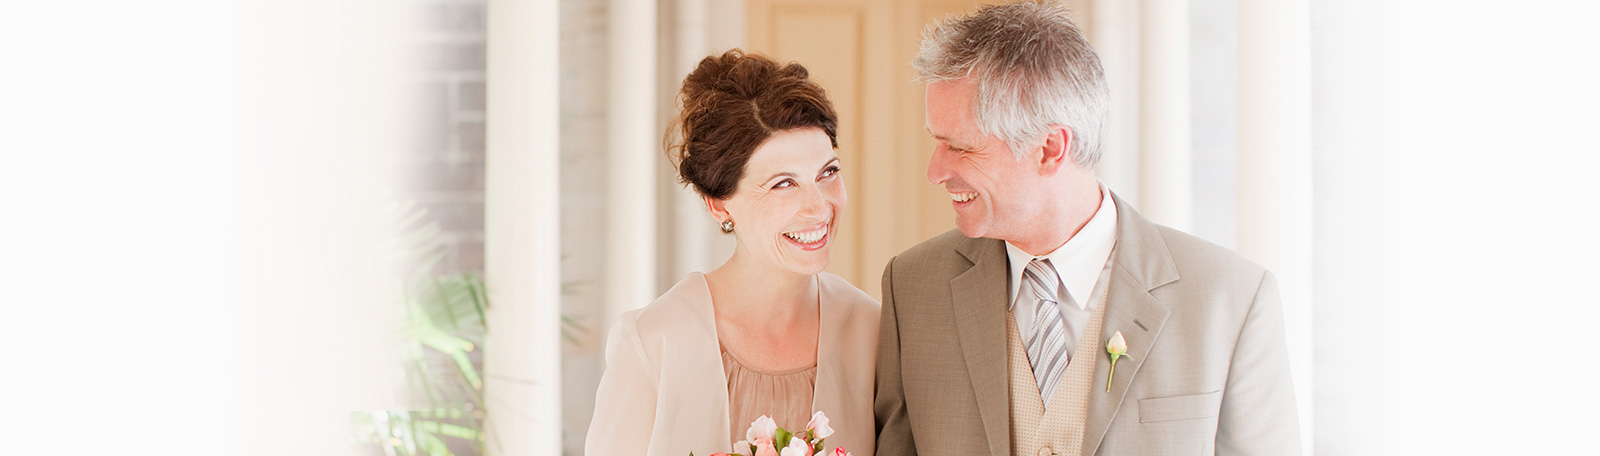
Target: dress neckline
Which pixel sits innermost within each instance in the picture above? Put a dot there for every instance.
(746, 366)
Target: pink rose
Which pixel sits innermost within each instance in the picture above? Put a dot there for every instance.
(819, 426)
(763, 429)
(766, 449)
(840, 452)
(797, 447)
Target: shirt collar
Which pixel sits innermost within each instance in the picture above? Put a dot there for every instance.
(1079, 262)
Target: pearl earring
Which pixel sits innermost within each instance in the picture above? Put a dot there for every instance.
(727, 226)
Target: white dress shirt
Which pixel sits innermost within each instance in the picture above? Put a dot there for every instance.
(1084, 266)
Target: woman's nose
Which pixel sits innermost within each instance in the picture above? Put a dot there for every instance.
(815, 201)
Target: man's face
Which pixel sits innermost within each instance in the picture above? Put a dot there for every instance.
(994, 194)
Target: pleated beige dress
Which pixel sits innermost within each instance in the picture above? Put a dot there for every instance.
(784, 396)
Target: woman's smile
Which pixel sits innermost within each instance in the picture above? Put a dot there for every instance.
(811, 238)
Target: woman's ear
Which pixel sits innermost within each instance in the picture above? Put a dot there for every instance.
(718, 208)
(1057, 150)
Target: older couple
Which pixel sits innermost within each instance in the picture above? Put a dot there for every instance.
(990, 339)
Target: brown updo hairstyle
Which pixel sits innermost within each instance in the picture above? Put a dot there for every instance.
(731, 104)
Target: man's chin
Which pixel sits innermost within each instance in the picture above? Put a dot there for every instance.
(971, 230)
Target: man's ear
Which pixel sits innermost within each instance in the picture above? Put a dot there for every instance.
(1057, 150)
(718, 208)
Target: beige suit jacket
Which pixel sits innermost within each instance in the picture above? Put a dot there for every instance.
(664, 391)
(1209, 373)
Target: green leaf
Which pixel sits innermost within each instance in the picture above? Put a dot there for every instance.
(467, 370)
(434, 445)
(460, 432)
(569, 326)
(480, 298)
(443, 342)
(781, 439)
(442, 323)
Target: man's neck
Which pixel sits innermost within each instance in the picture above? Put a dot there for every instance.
(1063, 221)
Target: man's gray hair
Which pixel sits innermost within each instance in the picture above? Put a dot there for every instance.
(1033, 68)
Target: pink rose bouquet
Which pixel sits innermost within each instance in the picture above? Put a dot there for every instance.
(765, 438)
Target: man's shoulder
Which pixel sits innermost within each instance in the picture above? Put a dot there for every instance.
(1205, 264)
(939, 250)
(1193, 252)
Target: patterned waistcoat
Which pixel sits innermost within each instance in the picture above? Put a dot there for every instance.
(1059, 430)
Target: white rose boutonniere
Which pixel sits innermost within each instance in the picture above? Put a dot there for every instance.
(1117, 347)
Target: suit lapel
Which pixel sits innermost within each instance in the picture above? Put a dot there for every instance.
(1131, 310)
(978, 298)
(1140, 263)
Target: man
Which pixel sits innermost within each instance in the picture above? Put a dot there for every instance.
(994, 336)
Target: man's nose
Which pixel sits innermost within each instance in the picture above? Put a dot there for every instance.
(938, 170)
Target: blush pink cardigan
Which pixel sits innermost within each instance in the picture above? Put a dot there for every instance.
(664, 391)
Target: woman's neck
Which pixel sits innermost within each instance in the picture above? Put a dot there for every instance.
(753, 292)
(767, 316)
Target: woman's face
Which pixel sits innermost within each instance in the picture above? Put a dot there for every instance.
(786, 208)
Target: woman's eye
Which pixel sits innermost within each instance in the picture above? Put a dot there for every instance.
(830, 172)
(783, 184)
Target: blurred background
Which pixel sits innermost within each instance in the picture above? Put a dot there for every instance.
(379, 227)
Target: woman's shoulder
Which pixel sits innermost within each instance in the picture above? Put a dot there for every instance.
(686, 305)
(839, 290)
(852, 311)
(850, 325)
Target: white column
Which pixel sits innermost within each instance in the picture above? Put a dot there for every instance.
(522, 356)
(1115, 37)
(1274, 167)
(691, 224)
(633, 152)
(1166, 178)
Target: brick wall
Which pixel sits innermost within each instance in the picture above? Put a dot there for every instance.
(444, 171)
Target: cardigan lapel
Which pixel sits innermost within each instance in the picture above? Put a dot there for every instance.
(707, 377)
(832, 386)
(1140, 263)
(844, 385)
(978, 300)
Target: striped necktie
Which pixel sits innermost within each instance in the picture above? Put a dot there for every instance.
(1047, 345)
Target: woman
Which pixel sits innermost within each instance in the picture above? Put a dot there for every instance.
(767, 333)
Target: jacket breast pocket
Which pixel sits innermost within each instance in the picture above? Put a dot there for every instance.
(1186, 407)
